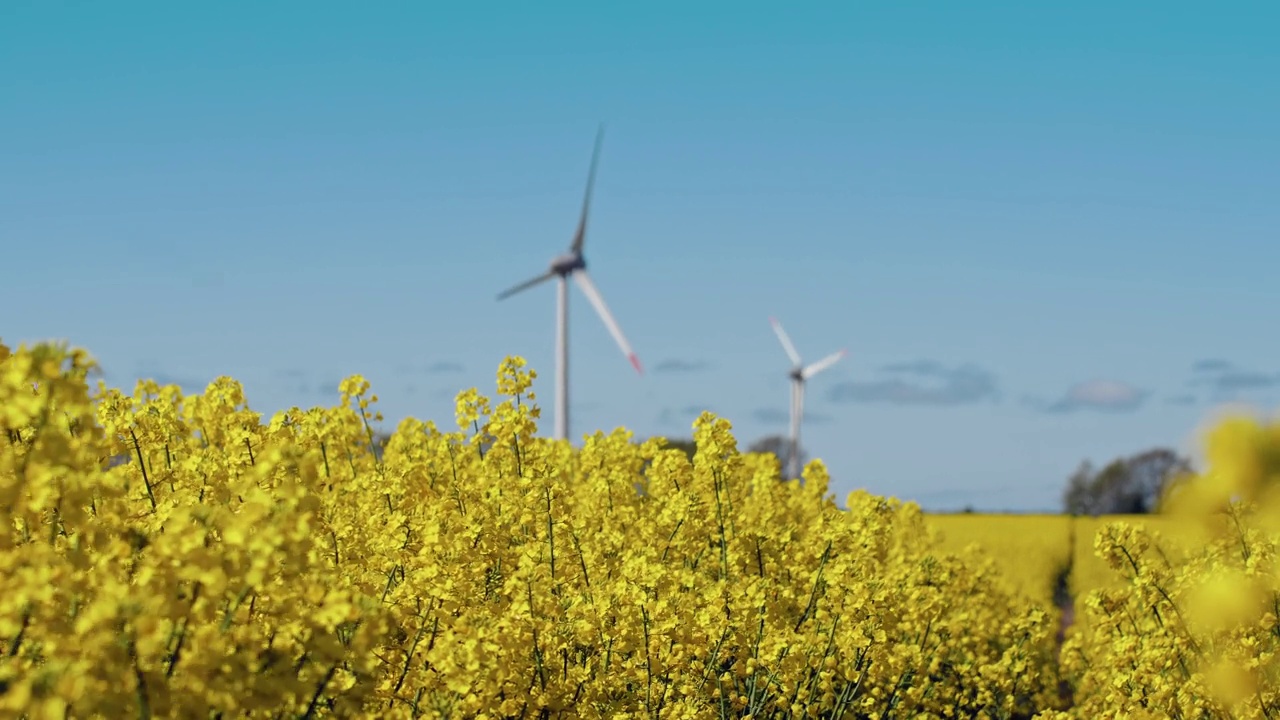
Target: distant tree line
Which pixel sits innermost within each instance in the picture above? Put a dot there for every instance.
(1131, 485)
(1125, 486)
(776, 445)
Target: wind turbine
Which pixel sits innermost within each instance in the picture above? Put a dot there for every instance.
(799, 374)
(573, 264)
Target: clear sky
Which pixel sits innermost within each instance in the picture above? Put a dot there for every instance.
(1044, 234)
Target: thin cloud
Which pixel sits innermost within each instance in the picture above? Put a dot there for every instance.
(774, 416)
(1109, 396)
(961, 494)
(916, 367)
(1224, 379)
(681, 416)
(186, 382)
(1238, 380)
(1211, 365)
(677, 365)
(1181, 400)
(296, 379)
(439, 367)
(921, 383)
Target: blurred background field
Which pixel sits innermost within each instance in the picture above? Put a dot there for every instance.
(1034, 552)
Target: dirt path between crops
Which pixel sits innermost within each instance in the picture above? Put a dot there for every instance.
(1065, 599)
(1068, 619)
(1068, 608)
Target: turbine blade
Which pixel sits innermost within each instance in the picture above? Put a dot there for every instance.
(580, 237)
(589, 289)
(526, 285)
(786, 341)
(822, 364)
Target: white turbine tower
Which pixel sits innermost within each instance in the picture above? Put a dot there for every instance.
(799, 374)
(572, 264)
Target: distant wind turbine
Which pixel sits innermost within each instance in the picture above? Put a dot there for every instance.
(573, 264)
(799, 374)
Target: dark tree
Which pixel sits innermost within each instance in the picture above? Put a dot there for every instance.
(1126, 486)
(780, 447)
(1077, 498)
(687, 445)
(380, 440)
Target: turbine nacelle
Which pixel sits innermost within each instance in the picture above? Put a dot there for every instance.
(568, 262)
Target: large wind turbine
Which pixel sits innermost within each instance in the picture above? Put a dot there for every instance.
(573, 264)
(799, 374)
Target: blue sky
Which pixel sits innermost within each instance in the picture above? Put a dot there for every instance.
(1044, 234)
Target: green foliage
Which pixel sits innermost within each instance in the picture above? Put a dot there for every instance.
(1126, 486)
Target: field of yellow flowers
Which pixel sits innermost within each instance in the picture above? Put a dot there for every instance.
(184, 556)
(1046, 556)
(1028, 551)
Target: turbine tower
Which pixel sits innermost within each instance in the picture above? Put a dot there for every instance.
(573, 264)
(799, 374)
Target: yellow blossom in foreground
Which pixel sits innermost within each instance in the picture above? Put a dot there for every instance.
(1192, 629)
(178, 556)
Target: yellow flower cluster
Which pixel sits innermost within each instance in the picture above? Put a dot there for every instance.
(164, 555)
(1091, 571)
(1192, 631)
